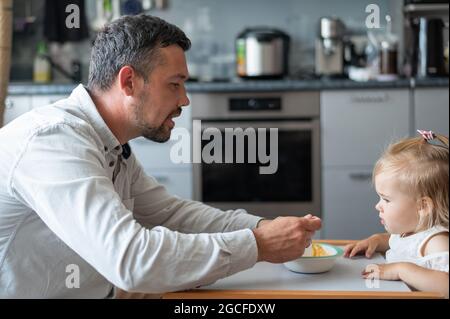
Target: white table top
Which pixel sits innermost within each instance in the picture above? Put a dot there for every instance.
(344, 276)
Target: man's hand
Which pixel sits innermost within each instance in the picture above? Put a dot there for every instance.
(285, 238)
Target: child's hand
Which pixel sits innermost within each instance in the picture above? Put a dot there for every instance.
(382, 271)
(367, 246)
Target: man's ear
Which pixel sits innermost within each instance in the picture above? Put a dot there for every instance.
(127, 79)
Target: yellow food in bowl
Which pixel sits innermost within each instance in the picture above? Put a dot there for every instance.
(317, 258)
(318, 251)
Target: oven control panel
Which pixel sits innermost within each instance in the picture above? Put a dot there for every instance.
(255, 104)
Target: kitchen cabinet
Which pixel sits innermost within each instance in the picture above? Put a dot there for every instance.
(177, 181)
(356, 126)
(43, 100)
(15, 106)
(349, 203)
(431, 109)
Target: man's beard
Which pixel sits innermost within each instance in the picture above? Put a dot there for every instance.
(157, 134)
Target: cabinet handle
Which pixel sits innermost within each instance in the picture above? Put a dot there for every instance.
(375, 98)
(361, 176)
(161, 178)
(9, 104)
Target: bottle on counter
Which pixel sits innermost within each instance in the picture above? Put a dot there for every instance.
(388, 58)
(388, 51)
(42, 71)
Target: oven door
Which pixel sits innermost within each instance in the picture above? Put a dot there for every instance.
(294, 189)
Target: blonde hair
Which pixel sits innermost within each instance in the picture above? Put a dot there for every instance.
(421, 167)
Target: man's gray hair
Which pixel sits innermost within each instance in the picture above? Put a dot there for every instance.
(133, 41)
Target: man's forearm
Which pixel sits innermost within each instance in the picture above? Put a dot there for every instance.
(424, 279)
(196, 217)
(154, 206)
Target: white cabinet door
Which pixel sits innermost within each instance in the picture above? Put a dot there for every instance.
(177, 181)
(349, 201)
(158, 155)
(356, 125)
(16, 106)
(43, 100)
(431, 109)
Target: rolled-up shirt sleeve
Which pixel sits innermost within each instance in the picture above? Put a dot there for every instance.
(60, 175)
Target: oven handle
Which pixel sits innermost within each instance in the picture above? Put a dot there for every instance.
(290, 125)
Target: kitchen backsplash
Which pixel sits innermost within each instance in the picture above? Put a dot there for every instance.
(213, 26)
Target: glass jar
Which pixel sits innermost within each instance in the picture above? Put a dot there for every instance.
(388, 57)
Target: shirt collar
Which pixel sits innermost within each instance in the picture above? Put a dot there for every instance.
(87, 106)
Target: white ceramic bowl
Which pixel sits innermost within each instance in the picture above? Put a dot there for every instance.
(308, 264)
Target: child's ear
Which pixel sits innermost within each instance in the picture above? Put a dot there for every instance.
(425, 207)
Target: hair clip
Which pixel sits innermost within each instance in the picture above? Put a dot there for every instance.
(427, 135)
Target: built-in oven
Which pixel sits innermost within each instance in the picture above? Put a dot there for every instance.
(259, 152)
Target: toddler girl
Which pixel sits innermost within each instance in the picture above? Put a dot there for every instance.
(411, 179)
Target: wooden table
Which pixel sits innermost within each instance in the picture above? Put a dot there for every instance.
(275, 281)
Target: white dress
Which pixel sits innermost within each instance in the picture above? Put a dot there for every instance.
(409, 249)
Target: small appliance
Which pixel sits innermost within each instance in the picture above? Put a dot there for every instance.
(330, 47)
(262, 52)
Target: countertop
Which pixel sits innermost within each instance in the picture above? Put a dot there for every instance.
(22, 88)
(266, 280)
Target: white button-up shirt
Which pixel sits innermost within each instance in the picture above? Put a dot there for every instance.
(79, 216)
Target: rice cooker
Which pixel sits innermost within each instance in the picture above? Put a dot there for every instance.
(262, 52)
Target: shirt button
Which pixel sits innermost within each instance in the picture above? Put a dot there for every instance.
(106, 149)
(117, 148)
(111, 164)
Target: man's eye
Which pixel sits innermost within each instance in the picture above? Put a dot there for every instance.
(386, 200)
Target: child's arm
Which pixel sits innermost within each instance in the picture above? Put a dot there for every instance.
(418, 277)
(383, 242)
(375, 243)
(424, 279)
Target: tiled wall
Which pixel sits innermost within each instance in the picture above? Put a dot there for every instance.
(299, 18)
(228, 17)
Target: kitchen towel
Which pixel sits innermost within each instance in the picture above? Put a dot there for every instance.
(55, 28)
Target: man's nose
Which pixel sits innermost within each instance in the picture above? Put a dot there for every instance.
(184, 101)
